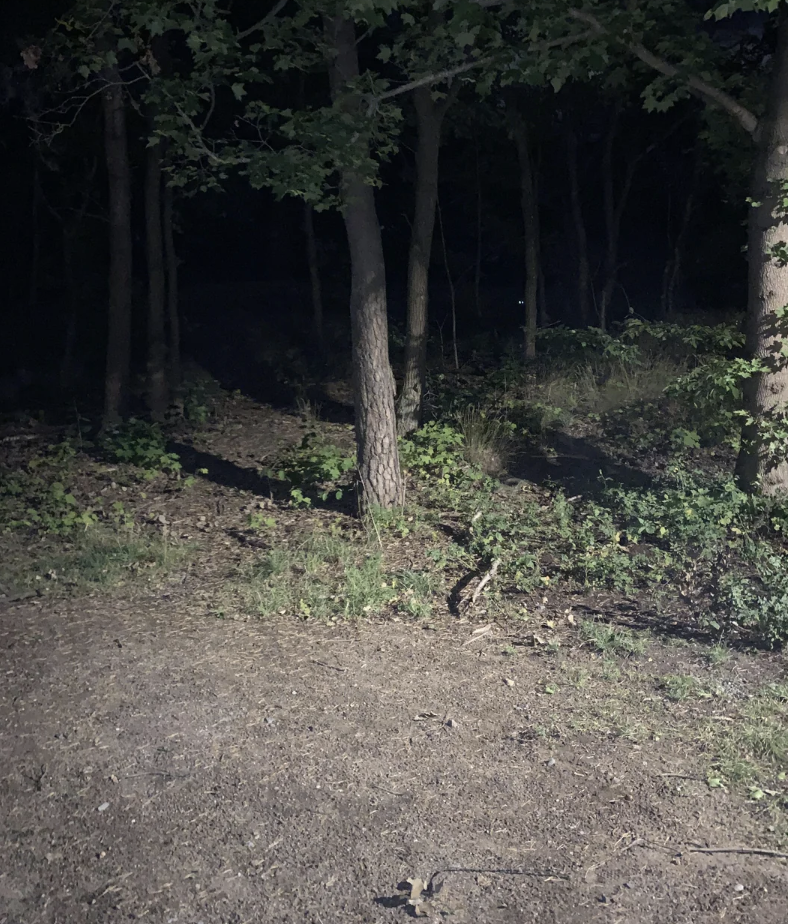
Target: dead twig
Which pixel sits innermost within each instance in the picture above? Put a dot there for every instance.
(333, 667)
(753, 851)
(488, 576)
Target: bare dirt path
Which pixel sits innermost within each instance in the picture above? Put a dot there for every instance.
(175, 768)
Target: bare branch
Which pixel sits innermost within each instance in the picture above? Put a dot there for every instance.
(699, 86)
(271, 14)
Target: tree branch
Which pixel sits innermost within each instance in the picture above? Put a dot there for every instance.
(699, 86)
(271, 14)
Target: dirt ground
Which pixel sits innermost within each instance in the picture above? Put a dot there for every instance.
(160, 763)
(172, 767)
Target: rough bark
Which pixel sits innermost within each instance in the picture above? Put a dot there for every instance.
(314, 273)
(766, 394)
(579, 225)
(120, 247)
(173, 316)
(531, 225)
(429, 116)
(373, 381)
(157, 390)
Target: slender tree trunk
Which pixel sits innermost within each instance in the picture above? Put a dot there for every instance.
(314, 273)
(531, 224)
(675, 264)
(35, 258)
(452, 292)
(158, 398)
(120, 246)
(477, 268)
(373, 381)
(581, 240)
(69, 348)
(429, 117)
(766, 394)
(173, 316)
(610, 265)
(614, 208)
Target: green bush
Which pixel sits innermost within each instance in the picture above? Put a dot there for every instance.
(315, 468)
(142, 444)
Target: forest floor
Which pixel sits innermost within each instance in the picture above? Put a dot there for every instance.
(167, 753)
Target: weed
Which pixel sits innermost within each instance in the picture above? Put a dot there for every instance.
(315, 469)
(324, 578)
(100, 558)
(486, 440)
(142, 444)
(612, 639)
(679, 687)
(717, 655)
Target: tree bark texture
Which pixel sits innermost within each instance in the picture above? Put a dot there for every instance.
(766, 394)
(531, 225)
(429, 116)
(578, 222)
(120, 247)
(373, 381)
(157, 390)
(173, 316)
(314, 273)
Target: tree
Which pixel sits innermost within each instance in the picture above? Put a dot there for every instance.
(762, 461)
(429, 118)
(373, 381)
(120, 248)
(530, 210)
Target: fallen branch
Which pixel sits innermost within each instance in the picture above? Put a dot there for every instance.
(488, 576)
(755, 851)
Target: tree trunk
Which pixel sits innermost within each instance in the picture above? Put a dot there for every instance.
(429, 117)
(158, 398)
(314, 273)
(119, 320)
(477, 268)
(66, 376)
(675, 264)
(35, 257)
(581, 240)
(173, 317)
(614, 209)
(531, 224)
(609, 209)
(766, 394)
(373, 381)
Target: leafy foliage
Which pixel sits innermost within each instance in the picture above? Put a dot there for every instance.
(315, 468)
(142, 444)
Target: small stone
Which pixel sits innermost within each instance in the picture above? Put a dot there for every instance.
(452, 723)
(551, 762)
(509, 682)
(738, 887)
(103, 807)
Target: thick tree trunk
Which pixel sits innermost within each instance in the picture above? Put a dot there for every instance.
(173, 316)
(578, 222)
(373, 381)
(158, 398)
(119, 319)
(766, 394)
(531, 224)
(314, 273)
(429, 116)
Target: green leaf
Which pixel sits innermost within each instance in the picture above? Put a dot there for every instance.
(239, 90)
